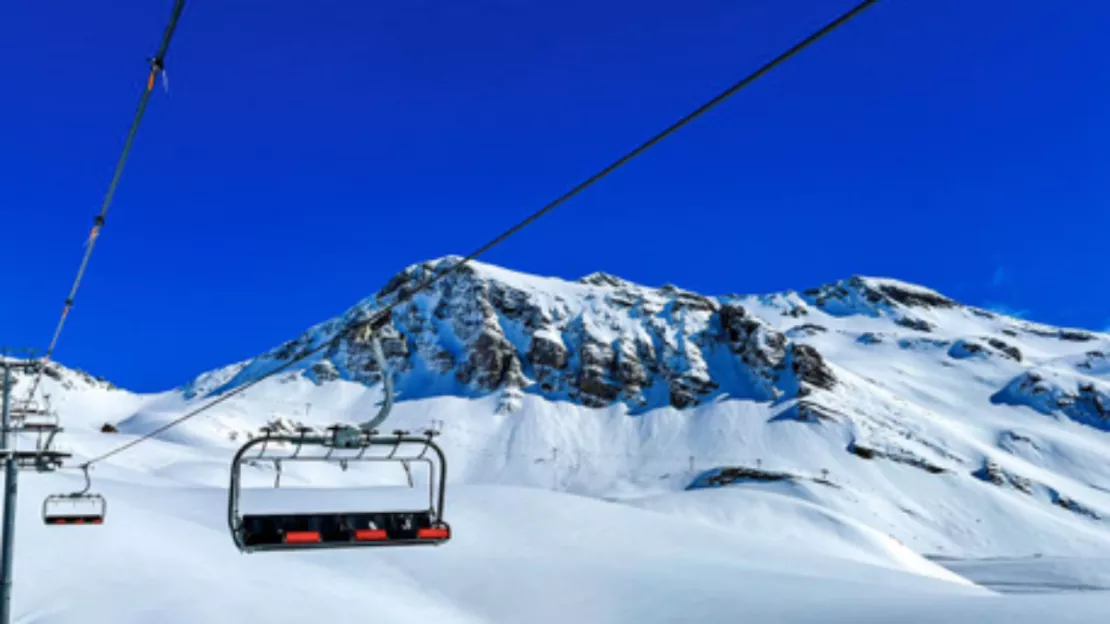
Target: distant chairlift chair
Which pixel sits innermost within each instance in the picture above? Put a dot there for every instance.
(78, 508)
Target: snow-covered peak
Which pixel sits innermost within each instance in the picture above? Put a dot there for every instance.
(872, 296)
(597, 341)
(603, 339)
(906, 292)
(601, 278)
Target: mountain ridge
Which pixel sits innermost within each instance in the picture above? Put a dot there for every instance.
(507, 335)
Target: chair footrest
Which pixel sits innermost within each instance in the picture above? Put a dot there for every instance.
(338, 529)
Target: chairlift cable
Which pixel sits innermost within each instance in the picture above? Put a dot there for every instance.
(382, 315)
(157, 66)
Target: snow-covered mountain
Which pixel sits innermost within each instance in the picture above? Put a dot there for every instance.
(601, 341)
(882, 385)
(901, 394)
(871, 404)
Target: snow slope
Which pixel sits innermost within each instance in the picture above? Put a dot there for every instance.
(519, 555)
(624, 453)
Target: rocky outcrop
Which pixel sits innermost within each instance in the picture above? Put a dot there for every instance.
(1072, 335)
(913, 296)
(805, 330)
(1073, 505)
(491, 363)
(991, 472)
(809, 369)
(1068, 335)
(596, 387)
(548, 358)
(898, 455)
(599, 341)
(1005, 348)
(1079, 398)
(914, 323)
(759, 348)
(875, 296)
(984, 347)
(1094, 359)
(871, 338)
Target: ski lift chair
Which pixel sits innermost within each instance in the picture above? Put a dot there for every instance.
(369, 528)
(323, 530)
(77, 508)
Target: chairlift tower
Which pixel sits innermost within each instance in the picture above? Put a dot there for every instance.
(21, 416)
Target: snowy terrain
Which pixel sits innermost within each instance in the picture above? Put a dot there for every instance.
(621, 453)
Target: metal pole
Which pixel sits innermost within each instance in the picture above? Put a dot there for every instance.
(554, 469)
(11, 472)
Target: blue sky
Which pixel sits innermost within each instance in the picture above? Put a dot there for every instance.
(307, 151)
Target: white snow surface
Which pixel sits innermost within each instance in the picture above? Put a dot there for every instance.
(562, 512)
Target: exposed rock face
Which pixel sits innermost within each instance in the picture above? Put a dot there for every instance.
(918, 297)
(1013, 352)
(985, 347)
(758, 347)
(871, 338)
(548, 358)
(598, 341)
(898, 455)
(810, 370)
(873, 296)
(1082, 399)
(915, 323)
(806, 329)
(1075, 336)
(993, 473)
(596, 386)
(603, 340)
(490, 363)
(1073, 506)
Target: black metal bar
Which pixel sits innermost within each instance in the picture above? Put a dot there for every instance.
(11, 474)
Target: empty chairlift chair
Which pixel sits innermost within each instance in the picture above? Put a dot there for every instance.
(364, 528)
(77, 508)
(370, 527)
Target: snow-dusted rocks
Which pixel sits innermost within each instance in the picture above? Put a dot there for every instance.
(599, 341)
(971, 347)
(873, 296)
(1083, 399)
